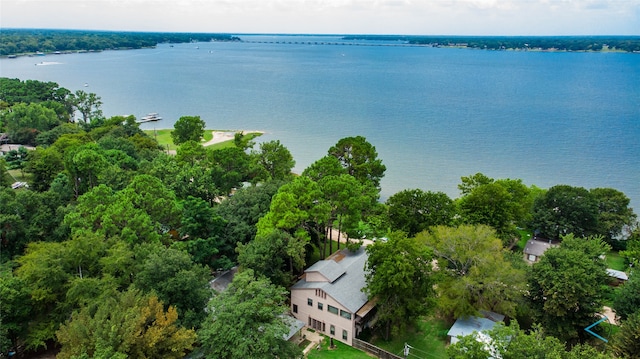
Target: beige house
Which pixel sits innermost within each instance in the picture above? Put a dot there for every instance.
(329, 299)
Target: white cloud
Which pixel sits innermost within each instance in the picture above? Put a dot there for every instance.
(494, 17)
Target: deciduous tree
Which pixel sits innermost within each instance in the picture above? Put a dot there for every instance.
(25, 121)
(565, 209)
(188, 128)
(614, 213)
(566, 286)
(626, 342)
(510, 342)
(5, 178)
(44, 165)
(627, 300)
(476, 274)
(469, 183)
(125, 324)
(399, 275)
(177, 281)
(266, 255)
(48, 270)
(246, 321)
(88, 104)
(413, 211)
(500, 204)
(244, 209)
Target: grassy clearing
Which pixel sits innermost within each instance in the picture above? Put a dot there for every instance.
(164, 139)
(525, 235)
(18, 176)
(615, 261)
(341, 351)
(429, 336)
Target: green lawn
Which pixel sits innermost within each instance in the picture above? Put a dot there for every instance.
(525, 235)
(615, 261)
(429, 336)
(341, 351)
(164, 138)
(17, 176)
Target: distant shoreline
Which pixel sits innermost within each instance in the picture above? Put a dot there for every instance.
(37, 42)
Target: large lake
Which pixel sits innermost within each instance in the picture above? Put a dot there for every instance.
(434, 114)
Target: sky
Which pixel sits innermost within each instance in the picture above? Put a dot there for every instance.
(411, 17)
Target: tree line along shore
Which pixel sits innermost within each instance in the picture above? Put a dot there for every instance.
(110, 249)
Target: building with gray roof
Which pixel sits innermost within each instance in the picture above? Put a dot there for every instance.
(535, 248)
(329, 298)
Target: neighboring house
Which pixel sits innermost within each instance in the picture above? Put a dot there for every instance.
(5, 148)
(222, 281)
(467, 325)
(329, 297)
(619, 277)
(535, 248)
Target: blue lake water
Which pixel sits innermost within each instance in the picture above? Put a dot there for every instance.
(434, 114)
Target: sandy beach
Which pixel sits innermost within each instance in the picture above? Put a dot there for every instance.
(222, 136)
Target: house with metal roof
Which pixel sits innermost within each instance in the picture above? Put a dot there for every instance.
(468, 325)
(329, 298)
(618, 277)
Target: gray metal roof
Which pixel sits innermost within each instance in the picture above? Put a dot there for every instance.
(346, 290)
(467, 325)
(537, 248)
(293, 324)
(328, 268)
(617, 274)
(221, 282)
(496, 317)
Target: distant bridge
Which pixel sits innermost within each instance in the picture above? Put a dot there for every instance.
(329, 43)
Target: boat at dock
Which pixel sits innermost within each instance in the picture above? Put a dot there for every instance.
(151, 117)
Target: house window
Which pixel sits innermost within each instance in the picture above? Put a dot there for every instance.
(344, 334)
(345, 314)
(320, 293)
(532, 258)
(310, 302)
(319, 305)
(332, 309)
(295, 308)
(332, 329)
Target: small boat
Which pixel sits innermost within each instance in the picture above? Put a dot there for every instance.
(151, 117)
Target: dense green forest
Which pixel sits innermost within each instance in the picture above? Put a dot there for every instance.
(29, 41)
(559, 43)
(109, 250)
